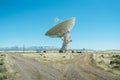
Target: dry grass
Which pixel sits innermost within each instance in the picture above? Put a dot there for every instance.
(3, 69)
(70, 62)
(108, 61)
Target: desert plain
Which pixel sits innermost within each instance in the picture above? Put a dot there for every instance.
(52, 65)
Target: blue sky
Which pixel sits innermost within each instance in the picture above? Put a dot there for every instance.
(26, 21)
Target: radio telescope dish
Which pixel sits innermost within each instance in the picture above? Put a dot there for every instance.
(62, 30)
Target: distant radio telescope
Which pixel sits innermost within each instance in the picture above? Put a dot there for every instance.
(62, 30)
(56, 20)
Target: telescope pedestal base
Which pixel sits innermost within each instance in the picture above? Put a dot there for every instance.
(66, 40)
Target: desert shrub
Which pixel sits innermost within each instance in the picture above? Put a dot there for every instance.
(1, 62)
(79, 52)
(63, 56)
(102, 56)
(73, 51)
(3, 55)
(111, 62)
(2, 69)
(65, 75)
(44, 56)
(1, 59)
(41, 54)
(44, 51)
(61, 51)
(102, 61)
(116, 67)
(115, 61)
(3, 76)
(116, 56)
(45, 59)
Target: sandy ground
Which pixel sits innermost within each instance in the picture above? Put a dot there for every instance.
(75, 68)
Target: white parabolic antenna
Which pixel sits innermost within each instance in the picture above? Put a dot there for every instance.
(62, 30)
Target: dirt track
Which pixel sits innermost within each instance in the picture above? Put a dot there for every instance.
(78, 68)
